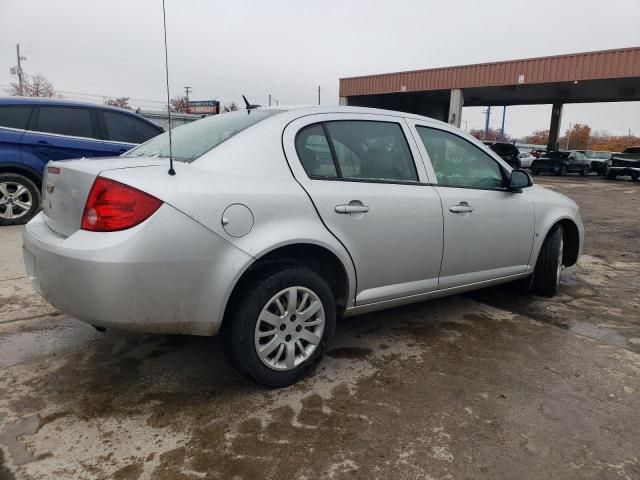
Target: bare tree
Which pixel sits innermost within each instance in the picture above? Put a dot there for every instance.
(178, 104)
(120, 102)
(231, 107)
(33, 86)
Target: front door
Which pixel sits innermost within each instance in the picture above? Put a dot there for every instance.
(488, 231)
(370, 193)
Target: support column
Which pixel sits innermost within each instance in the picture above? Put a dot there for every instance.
(456, 101)
(344, 101)
(554, 127)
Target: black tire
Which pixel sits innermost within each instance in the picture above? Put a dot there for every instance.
(585, 171)
(635, 176)
(534, 172)
(611, 175)
(563, 170)
(240, 332)
(10, 212)
(546, 276)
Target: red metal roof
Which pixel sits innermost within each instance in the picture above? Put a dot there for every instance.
(620, 63)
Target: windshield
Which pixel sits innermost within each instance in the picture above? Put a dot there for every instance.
(557, 155)
(195, 139)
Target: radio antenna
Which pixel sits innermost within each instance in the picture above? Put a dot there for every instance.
(166, 68)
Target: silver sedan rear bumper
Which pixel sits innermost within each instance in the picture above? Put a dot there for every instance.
(167, 275)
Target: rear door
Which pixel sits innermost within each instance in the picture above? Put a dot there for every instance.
(488, 231)
(62, 132)
(122, 132)
(361, 175)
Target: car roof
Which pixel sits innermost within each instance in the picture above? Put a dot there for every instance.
(292, 112)
(61, 102)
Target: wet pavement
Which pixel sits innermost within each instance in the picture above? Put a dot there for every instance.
(493, 384)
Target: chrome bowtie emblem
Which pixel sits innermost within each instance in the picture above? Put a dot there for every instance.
(50, 187)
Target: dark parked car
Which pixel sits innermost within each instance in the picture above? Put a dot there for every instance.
(626, 163)
(507, 151)
(600, 161)
(561, 163)
(34, 131)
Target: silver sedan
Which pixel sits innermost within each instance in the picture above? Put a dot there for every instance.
(279, 221)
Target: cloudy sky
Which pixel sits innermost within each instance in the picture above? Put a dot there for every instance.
(222, 49)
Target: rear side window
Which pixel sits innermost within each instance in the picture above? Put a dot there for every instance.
(125, 128)
(360, 150)
(71, 121)
(314, 152)
(15, 116)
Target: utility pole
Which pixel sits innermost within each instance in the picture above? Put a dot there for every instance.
(504, 114)
(486, 122)
(568, 137)
(19, 71)
(269, 99)
(187, 90)
(318, 94)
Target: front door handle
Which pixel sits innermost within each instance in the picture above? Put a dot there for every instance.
(350, 208)
(462, 207)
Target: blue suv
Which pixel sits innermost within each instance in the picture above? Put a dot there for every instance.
(36, 130)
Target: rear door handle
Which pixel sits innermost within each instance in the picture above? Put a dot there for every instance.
(42, 142)
(462, 207)
(352, 208)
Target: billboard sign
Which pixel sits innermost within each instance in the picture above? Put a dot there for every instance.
(203, 107)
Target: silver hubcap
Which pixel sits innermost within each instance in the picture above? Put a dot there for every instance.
(560, 249)
(15, 200)
(289, 328)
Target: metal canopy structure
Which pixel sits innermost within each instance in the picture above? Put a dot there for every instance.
(604, 76)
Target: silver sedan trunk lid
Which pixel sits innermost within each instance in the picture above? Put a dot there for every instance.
(67, 183)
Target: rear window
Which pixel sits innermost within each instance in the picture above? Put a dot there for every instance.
(15, 116)
(126, 128)
(70, 121)
(195, 139)
(503, 148)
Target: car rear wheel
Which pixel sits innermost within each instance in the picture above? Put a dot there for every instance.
(635, 176)
(533, 171)
(585, 171)
(19, 199)
(281, 325)
(546, 276)
(563, 170)
(611, 175)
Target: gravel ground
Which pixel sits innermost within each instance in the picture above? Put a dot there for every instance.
(492, 384)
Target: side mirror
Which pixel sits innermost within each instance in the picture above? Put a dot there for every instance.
(519, 179)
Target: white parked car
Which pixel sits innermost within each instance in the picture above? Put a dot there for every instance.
(278, 221)
(525, 159)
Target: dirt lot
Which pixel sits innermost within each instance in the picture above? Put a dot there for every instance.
(490, 385)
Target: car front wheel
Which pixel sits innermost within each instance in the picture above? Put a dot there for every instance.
(281, 325)
(585, 171)
(19, 199)
(546, 276)
(563, 170)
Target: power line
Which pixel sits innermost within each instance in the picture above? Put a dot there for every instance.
(156, 69)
